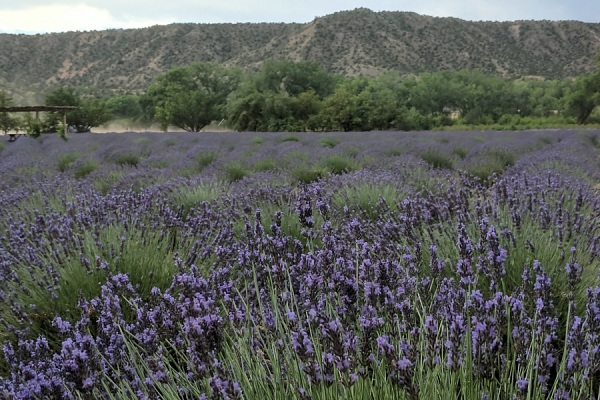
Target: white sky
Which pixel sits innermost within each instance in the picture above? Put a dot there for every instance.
(42, 16)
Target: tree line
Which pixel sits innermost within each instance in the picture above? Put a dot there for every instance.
(303, 96)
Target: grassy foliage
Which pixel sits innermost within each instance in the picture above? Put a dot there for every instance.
(170, 142)
(235, 171)
(340, 164)
(107, 182)
(460, 152)
(593, 138)
(265, 164)
(306, 174)
(86, 168)
(352, 152)
(142, 141)
(290, 138)
(192, 196)
(367, 199)
(146, 257)
(204, 159)
(437, 159)
(66, 160)
(492, 162)
(158, 164)
(128, 159)
(395, 152)
(329, 142)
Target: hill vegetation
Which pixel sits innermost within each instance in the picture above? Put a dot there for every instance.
(303, 96)
(352, 43)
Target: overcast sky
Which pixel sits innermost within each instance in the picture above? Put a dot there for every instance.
(41, 16)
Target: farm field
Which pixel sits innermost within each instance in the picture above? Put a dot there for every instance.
(397, 265)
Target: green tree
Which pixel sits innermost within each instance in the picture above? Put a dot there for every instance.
(381, 100)
(190, 97)
(476, 96)
(282, 96)
(7, 122)
(306, 109)
(292, 78)
(62, 96)
(437, 93)
(246, 110)
(125, 106)
(582, 101)
(90, 113)
(32, 126)
(346, 109)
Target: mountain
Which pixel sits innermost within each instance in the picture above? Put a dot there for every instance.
(349, 42)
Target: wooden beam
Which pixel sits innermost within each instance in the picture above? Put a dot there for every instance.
(37, 108)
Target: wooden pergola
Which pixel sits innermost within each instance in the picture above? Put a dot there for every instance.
(37, 110)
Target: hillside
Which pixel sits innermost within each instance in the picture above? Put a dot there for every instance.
(350, 42)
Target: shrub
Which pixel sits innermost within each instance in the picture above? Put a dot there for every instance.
(290, 138)
(107, 182)
(593, 139)
(66, 160)
(505, 157)
(436, 159)
(130, 159)
(491, 162)
(486, 170)
(460, 152)
(146, 256)
(258, 140)
(86, 168)
(235, 171)
(204, 159)
(305, 174)
(328, 141)
(191, 196)
(297, 156)
(158, 164)
(339, 164)
(352, 152)
(366, 198)
(142, 140)
(32, 126)
(265, 164)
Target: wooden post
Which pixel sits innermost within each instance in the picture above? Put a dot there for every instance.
(65, 122)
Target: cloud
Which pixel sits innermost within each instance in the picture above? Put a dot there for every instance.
(508, 10)
(65, 17)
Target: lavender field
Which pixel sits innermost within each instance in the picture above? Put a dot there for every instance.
(397, 265)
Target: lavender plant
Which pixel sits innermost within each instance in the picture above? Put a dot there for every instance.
(394, 280)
